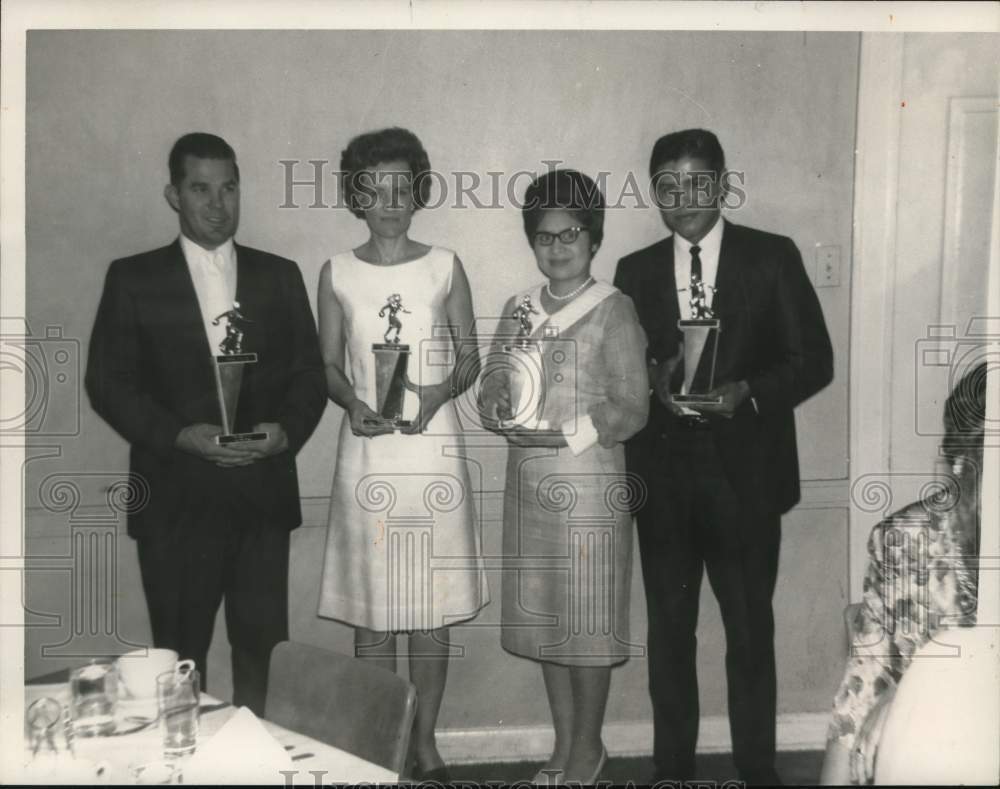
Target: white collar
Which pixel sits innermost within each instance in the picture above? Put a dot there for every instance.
(710, 245)
(195, 252)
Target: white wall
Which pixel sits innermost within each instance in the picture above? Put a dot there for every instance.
(104, 108)
(926, 200)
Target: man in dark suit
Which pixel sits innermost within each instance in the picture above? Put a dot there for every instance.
(718, 477)
(217, 520)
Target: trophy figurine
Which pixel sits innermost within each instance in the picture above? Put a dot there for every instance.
(391, 358)
(228, 367)
(523, 367)
(701, 343)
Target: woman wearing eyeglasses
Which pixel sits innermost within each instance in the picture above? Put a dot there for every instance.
(567, 535)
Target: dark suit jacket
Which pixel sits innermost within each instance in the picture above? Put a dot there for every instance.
(773, 336)
(150, 373)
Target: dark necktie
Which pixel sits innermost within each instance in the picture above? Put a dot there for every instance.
(699, 308)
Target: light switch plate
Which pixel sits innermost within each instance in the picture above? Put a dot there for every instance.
(827, 266)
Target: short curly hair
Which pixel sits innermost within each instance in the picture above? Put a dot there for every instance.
(565, 190)
(965, 415)
(378, 147)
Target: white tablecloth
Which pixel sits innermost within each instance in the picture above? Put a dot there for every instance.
(120, 755)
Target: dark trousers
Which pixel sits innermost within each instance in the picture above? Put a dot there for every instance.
(187, 572)
(693, 518)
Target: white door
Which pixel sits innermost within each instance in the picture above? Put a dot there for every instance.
(924, 204)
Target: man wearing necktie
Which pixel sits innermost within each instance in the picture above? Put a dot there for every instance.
(215, 520)
(718, 476)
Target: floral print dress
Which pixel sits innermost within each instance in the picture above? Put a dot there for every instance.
(918, 581)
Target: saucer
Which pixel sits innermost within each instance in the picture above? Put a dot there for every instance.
(141, 707)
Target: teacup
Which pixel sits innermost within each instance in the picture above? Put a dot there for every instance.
(138, 670)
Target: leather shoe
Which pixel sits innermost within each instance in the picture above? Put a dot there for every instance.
(600, 767)
(438, 775)
(550, 777)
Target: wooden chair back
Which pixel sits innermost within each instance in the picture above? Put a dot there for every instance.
(342, 701)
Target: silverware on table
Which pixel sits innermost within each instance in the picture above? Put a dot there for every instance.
(206, 708)
(141, 724)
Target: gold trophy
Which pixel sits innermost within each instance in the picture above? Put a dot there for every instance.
(523, 368)
(391, 359)
(701, 344)
(228, 367)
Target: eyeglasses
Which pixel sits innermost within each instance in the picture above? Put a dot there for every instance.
(567, 236)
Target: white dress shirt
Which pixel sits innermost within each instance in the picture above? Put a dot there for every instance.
(213, 272)
(709, 254)
(709, 248)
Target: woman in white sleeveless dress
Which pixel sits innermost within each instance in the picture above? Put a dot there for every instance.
(403, 553)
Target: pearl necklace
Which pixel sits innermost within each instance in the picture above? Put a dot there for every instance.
(569, 295)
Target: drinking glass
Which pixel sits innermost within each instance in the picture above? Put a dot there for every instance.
(45, 719)
(94, 690)
(177, 700)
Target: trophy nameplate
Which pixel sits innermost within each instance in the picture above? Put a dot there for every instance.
(228, 367)
(523, 368)
(701, 344)
(391, 360)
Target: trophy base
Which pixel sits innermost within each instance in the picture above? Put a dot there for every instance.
(537, 426)
(236, 358)
(696, 399)
(519, 345)
(397, 424)
(238, 438)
